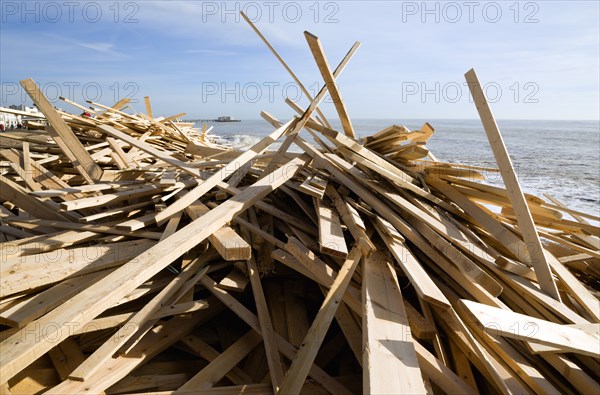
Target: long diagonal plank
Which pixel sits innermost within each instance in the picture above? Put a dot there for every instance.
(221, 365)
(63, 135)
(296, 375)
(155, 341)
(287, 349)
(284, 64)
(24, 347)
(423, 284)
(266, 325)
(98, 358)
(319, 54)
(515, 193)
(313, 105)
(205, 351)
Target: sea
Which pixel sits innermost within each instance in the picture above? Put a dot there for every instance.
(559, 158)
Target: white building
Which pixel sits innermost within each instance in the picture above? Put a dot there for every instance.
(14, 118)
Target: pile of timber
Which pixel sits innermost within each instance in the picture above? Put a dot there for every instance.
(137, 259)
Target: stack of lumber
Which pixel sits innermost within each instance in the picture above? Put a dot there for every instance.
(137, 259)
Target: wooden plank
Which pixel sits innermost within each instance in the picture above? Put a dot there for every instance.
(236, 281)
(502, 234)
(161, 337)
(222, 364)
(319, 270)
(266, 326)
(102, 200)
(39, 174)
(25, 273)
(25, 346)
(125, 158)
(311, 190)
(419, 278)
(63, 135)
(331, 236)
(17, 195)
(97, 360)
(66, 357)
(225, 240)
(312, 106)
(390, 364)
(579, 292)
(319, 54)
(205, 351)
(45, 224)
(298, 371)
(523, 327)
(440, 374)
(286, 348)
(351, 218)
(148, 106)
(284, 64)
(23, 312)
(515, 193)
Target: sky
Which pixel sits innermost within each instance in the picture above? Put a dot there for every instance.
(535, 59)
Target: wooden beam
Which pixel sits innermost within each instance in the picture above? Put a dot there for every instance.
(296, 375)
(515, 193)
(288, 350)
(205, 351)
(17, 195)
(419, 278)
(21, 274)
(390, 364)
(222, 364)
(225, 240)
(148, 106)
(98, 359)
(321, 60)
(526, 328)
(63, 135)
(331, 236)
(266, 326)
(284, 64)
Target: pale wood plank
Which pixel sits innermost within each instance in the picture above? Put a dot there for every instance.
(331, 235)
(523, 327)
(298, 371)
(222, 364)
(515, 193)
(63, 135)
(319, 54)
(390, 364)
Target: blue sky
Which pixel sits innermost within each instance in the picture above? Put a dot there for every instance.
(537, 59)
